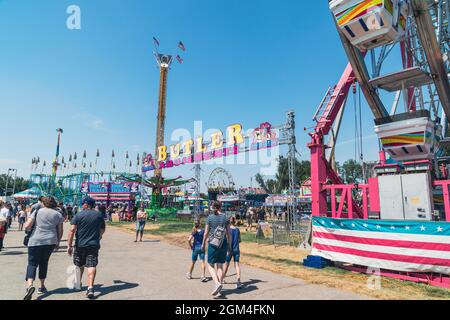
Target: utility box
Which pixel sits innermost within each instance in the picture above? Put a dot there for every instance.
(406, 197)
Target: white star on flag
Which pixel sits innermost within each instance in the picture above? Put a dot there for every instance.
(422, 228)
(332, 223)
(439, 229)
(342, 224)
(407, 228)
(392, 227)
(378, 227)
(365, 225)
(353, 225)
(321, 221)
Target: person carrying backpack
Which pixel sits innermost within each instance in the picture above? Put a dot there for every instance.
(218, 236)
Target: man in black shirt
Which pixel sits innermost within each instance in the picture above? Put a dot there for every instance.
(88, 226)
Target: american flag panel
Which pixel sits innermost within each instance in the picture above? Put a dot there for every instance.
(409, 246)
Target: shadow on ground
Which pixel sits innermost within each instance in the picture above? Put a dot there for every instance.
(247, 286)
(12, 253)
(100, 289)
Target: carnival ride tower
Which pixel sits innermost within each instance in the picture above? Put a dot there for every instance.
(56, 163)
(164, 61)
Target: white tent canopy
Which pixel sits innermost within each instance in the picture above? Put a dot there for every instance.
(32, 193)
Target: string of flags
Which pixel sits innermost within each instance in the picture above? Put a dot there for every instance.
(67, 163)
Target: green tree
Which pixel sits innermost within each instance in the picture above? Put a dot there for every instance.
(351, 172)
(281, 181)
(21, 184)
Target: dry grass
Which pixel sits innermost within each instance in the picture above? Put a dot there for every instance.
(287, 261)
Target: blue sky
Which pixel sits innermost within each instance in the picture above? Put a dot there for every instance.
(246, 61)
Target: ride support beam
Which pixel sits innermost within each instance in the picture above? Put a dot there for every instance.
(356, 59)
(161, 118)
(318, 179)
(427, 36)
(336, 102)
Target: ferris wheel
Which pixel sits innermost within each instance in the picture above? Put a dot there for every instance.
(376, 33)
(220, 181)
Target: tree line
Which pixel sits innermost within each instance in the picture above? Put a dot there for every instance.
(22, 184)
(350, 171)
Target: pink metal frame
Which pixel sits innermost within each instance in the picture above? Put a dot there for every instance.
(446, 195)
(434, 279)
(321, 170)
(346, 191)
(325, 180)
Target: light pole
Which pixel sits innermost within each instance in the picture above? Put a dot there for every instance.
(7, 181)
(15, 179)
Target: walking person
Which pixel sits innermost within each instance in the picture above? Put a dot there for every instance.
(9, 218)
(110, 213)
(88, 227)
(4, 213)
(22, 218)
(46, 227)
(141, 220)
(37, 205)
(195, 242)
(2, 231)
(218, 236)
(69, 209)
(251, 213)
(235, 253)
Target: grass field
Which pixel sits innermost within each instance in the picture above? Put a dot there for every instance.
(287, 260)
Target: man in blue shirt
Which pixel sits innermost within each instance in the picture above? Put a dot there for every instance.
(88, 226)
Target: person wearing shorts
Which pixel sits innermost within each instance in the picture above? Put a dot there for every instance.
(195, 242)
(217, 255)
(22, 219)
(88, 226)
(235, 253)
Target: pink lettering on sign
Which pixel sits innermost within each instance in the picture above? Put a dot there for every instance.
(218, 153)
(198, 157)
(207, 156)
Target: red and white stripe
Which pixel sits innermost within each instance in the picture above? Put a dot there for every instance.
(393, 251)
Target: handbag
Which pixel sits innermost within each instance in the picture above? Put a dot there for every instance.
(217, 237)
(28, 234)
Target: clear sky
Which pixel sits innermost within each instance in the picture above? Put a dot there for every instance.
(247, 61)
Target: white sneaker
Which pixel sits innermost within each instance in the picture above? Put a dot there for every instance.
(188, 276)
(216, 290)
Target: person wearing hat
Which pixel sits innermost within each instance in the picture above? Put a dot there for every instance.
(88, 227)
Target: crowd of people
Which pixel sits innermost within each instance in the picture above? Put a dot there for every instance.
(222, 238)
(216, 245)
(42, 223)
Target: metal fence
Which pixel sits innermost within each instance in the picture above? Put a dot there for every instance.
(295, 233)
